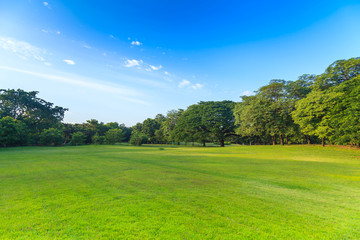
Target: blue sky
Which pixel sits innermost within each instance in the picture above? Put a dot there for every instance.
(126, 61)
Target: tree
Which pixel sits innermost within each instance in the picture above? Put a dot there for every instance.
(96, 139)
(207, 120)
(35, 112)
(78, 138)
(113, 136)
(138, 138)
(12, 132)
(52, 137)
(168, 126)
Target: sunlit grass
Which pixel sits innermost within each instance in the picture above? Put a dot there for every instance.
(160, 192)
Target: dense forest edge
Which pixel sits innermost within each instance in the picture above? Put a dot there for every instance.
(314, 109)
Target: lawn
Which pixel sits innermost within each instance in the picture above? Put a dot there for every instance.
(125, 192)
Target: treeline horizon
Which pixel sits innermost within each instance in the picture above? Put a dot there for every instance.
(313, 109)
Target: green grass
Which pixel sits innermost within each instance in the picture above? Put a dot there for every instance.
(160, 192)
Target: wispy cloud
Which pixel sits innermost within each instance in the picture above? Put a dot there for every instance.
(23, 49)
(122, 92)
(86, 46)
(132, 63)
(246, 93)
(46, 4)
(184, 83)
(112, 36)
(197, 86)
(70, 62)
(136, 43)
(155, 68)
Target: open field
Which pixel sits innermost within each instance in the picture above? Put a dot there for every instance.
(124, 192)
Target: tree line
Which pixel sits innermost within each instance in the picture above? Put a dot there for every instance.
(312, 109)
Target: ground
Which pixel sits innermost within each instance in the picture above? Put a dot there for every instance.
(178, 192)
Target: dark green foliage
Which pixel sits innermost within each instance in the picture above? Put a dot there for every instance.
(78, 138)
(36, 113)
(138, 139)
(207, 120)
(114, 136)
(52, 137)
(96, 139)
(12, 132)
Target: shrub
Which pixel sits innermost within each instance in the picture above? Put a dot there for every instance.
(52, 137)
(78, 138)
(113, 136)
(96, 139)
(138, 138)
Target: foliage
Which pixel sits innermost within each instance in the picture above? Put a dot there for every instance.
(138, 139)
(78, 138)
(35, 112)
(114, 136)
(97, 139)
(12, 132)
(52, 137)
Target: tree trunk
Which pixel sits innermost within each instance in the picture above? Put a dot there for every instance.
(204, 144)
(222, 143)
(274, 140)
(281, 139)
(178, 143)
(323, 142)
(287, 140)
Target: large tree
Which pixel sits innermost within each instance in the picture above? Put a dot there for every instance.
(35, 112)
(207, 120)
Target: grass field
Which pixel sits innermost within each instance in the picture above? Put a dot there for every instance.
(124, 192)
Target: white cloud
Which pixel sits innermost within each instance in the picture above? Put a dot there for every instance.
(132, 63)
(86, 46)
(46, 4)
(47, 64)
(246, 93)
(111, 36)
(70, 62)
(184, 83)
(122, 92)
(155, 68)
(197, 86)
(136, 43)
(22, 49)
(166, 73)
(58, 32)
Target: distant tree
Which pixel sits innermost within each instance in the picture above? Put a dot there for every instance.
(78, 138)
(149, 126)
(138, 138)
(35, 112)
(12, 132)
(52, 137)
(207, 120)
(113, 136)
(169, 124)
(97, 139)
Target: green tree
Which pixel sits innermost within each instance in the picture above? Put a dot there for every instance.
(138, 138)
(78, 138)
(207, 120)
(97, 139)
(35, 112)
(12, 132)
(113, 136)
(52, 137)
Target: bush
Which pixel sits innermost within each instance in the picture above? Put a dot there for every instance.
(77, 138)
(138, 138)
(52, 137)
(113, 136)
(96, 139)
(12, 132)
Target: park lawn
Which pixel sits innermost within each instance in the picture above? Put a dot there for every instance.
(171, 192)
